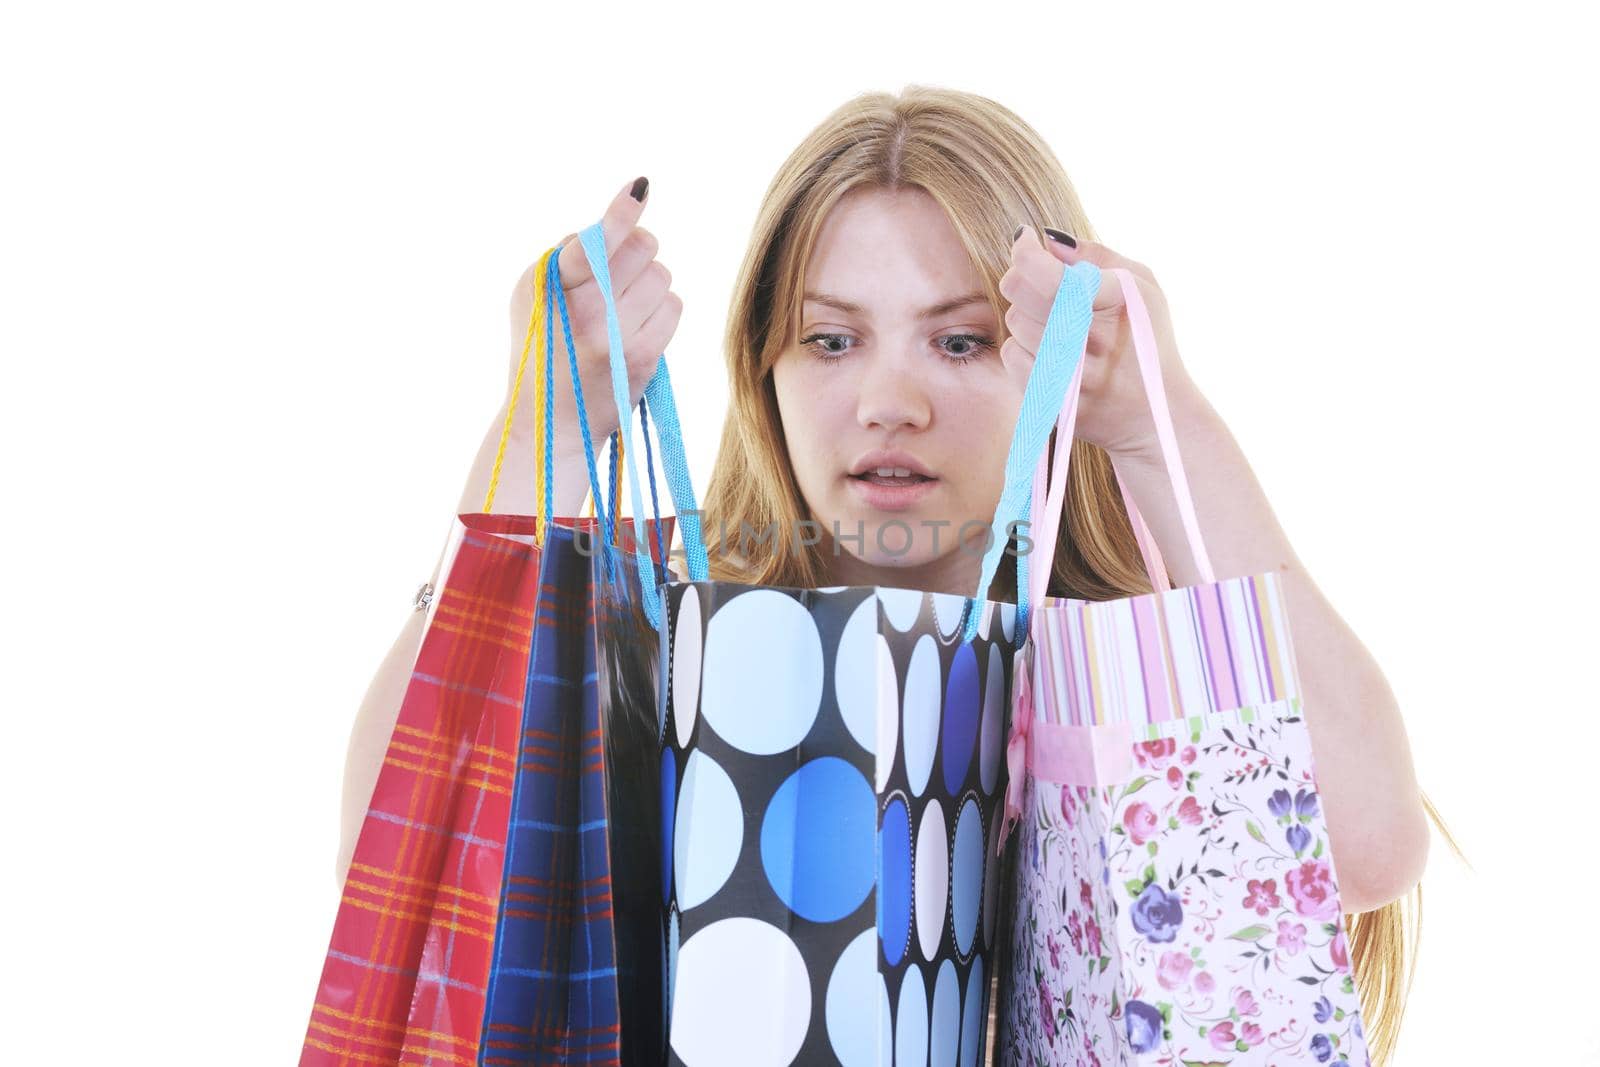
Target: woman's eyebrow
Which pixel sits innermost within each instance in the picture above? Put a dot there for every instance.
(839, 303)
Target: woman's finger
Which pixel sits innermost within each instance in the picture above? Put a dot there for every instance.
(620, 219)
(630, 260)
(640, 300)
(1013, 354)
(1035, 274)
(1025, 327)
(1110, 294)
(657, 330)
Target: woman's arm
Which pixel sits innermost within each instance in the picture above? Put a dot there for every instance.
(375, 719)
(647, 313)
(1374, 806)
(1364, 770)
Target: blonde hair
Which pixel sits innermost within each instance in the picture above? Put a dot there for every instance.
(988, 170)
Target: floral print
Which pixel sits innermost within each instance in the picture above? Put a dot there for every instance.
(1189, 916)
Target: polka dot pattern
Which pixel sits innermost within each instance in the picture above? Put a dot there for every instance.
(920, 712)
(966, 876)
(685, 663)
(911, 1021)
(973, 1017)
(817, 842)
(741, 984)
(856, 675)
(944, 1025)
(991, 740)
(961, 708)
(832, 776)
(857, 1003)
(762, 680)
(887, 712)
(894, 880)
(708, 831)
(932, 879)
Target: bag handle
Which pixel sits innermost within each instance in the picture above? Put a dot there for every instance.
(1053, 495)
(675, 464)
(1057, 376)
(541, 408)
(1066, 335)
(546, 281)
(658, 394)
(549, 297)
(1045, 517)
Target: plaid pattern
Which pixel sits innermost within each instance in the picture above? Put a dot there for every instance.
(408, 961)
(556, 992)
(407, 974)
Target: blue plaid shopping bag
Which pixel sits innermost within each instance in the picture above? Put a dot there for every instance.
(577, 971)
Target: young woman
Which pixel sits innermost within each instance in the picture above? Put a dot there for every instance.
(881, 333)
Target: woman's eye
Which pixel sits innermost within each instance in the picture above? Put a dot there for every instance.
(819, 344)
(958, 348)
(972, 347)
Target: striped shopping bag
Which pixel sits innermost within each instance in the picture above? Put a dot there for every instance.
(1176, 900)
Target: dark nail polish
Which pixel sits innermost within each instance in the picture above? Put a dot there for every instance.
(1015, 234)
(640, 186)
(1064, 238)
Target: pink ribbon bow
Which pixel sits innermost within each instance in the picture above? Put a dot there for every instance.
(1017, 744)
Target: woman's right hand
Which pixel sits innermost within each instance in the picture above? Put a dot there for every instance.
(647, 312)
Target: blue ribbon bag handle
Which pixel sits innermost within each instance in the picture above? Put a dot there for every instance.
(1066, 332)
(659, 396)
(607, 517)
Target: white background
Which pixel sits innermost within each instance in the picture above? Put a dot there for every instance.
(256, 264)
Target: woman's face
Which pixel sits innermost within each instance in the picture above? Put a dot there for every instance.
(896, 406)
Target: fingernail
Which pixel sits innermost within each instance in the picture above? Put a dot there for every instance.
(640, 186)
(1017, 233)
(1064, 238)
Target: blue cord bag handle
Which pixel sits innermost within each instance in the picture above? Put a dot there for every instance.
(1066, 332)
(554, 292)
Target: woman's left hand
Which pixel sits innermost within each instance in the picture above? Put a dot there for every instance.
(1113, 410)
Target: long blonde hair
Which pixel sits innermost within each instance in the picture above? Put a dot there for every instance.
(988, 170)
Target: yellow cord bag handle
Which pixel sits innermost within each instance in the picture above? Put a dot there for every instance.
(541, 390)
(536, 343)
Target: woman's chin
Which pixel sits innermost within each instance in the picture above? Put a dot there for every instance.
(894, 553)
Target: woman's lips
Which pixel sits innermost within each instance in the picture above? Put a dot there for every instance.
(891, 494)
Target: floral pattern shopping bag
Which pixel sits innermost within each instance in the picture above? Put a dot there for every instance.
(1176, 897)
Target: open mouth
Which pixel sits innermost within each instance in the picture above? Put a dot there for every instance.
(892, 476)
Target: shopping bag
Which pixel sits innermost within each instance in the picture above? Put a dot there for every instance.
(571, 980)
(579, 957)
(1176, 899)
(483, 846)
(826, 772)
(832, 777)
(430, 849)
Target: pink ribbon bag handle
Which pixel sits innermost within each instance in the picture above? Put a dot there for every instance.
(1076, 754)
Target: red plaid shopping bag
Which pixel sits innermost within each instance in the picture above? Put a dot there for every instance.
(431, 850)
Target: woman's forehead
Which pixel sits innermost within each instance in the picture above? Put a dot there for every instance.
(891, 254)
(964, 301)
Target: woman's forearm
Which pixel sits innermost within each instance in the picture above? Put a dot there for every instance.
(1364, 767)
(369, 735)
(514, 492)
(380, 707)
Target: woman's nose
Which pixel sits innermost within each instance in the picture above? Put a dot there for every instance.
(892, 395)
